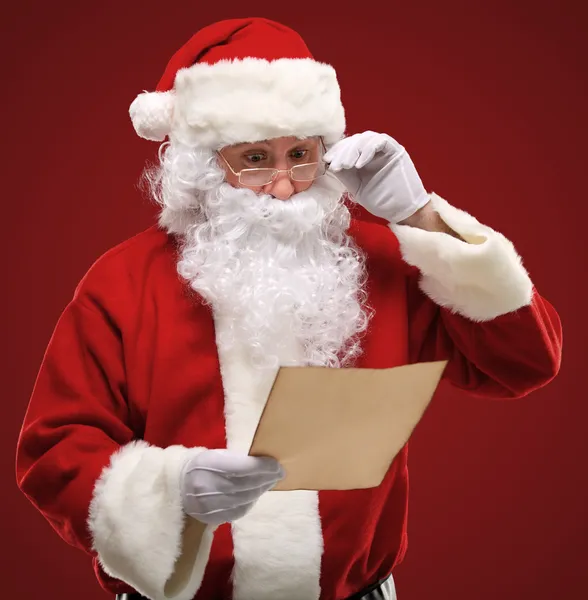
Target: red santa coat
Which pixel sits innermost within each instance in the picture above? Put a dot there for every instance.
(132, 378)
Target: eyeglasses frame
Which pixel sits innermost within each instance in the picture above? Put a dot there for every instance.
(276, 172)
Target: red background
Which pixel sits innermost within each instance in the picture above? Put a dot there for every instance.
(490, 99)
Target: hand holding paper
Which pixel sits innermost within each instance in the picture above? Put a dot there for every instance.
(219, 486)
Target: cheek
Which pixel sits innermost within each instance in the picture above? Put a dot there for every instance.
(301, 186)
(231, 178)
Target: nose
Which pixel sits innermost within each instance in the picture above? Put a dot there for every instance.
(281, 187)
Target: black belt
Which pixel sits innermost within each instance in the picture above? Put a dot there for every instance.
(373, 592)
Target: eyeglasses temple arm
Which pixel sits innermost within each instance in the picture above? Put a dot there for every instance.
(228, 165)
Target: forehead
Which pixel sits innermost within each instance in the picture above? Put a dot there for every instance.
(276, 144)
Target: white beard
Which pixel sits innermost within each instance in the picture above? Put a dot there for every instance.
(279, 272)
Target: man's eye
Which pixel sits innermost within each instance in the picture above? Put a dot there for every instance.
(255, 158)
(300, 153)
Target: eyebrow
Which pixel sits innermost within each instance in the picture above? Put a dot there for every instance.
(255, 149)
(264, 146)
(300, 142)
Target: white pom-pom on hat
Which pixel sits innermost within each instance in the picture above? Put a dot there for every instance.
(151, 114)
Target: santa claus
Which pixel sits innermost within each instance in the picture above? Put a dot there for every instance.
(155, 378)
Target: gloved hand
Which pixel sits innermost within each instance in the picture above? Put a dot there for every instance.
(219, 486)
(379, 174)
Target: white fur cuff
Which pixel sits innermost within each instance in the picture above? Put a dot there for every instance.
(137, 522)
(481, 278)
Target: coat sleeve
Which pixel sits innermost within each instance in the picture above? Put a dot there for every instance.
(472, 302)
(113, 496)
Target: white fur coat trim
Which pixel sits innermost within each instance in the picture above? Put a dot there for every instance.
(247, 100)
(278, 546)
(481, 278)
(136, 521)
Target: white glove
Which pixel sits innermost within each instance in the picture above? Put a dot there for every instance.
(219, 486)
(379, 174)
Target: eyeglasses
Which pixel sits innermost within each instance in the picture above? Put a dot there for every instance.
(259, 177)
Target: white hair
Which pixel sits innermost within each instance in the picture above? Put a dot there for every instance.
(274, 269)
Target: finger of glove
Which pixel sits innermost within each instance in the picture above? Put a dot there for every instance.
(345, 152)
(345, 157)
(201, 503)
(234, 465)
(238, 513)
(227, 516)
(388, 146)
(365, 137)
(331, 155)
(368, 139)
(368, 152)
(381, 143)
(365, 146)
(202, 480)
(222, 516)
(393, 145)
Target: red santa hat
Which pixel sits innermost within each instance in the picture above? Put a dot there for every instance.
(242, 80)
